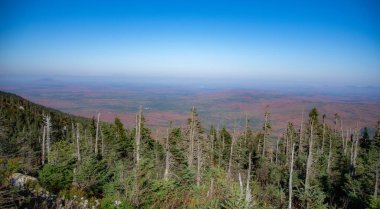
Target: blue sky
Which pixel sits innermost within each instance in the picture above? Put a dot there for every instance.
(294, 41)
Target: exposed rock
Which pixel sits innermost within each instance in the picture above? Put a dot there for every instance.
(21, 180)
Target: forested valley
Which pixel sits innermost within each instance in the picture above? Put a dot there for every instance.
(73, 162)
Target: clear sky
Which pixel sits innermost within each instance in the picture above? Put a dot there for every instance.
(304, 41)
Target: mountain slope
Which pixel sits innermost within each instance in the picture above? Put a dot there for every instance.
(21, 123)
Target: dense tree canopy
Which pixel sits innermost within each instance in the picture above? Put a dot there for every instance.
(189, 166)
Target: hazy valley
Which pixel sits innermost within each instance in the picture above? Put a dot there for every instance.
(217, 105)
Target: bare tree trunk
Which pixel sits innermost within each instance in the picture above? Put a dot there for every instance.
(248, 195)
(97, 135)
(246, 129)
(287, 143)
(309, 162)
(103, 144)
(329, 157)
(167, 159)
(138, 138)
(352, 151)
(199, 162)
(43, 145)
(342, 137)
(323, 134)
(157, 162)
(212, 149)
(291, 179)
(355, 150)
(211, 190)
(290, 142)
(241, 186)
(48, 126)
(346, 142)
(265, 133)
(222, 148)
(301, 134)
(78, 144)
(230, 160)
(192, 133)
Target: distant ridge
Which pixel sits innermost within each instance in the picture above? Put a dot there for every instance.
(10, 100)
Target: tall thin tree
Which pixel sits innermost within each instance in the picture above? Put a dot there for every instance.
(191, 138)
(78, 144)
(248, 196)
(291, 178)
(43, 145)
(97, 135)
(309, 163)
(167, 157)
(265, 133)
(301, 136)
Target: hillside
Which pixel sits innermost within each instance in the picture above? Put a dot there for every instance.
(21, 122)
(79, 163)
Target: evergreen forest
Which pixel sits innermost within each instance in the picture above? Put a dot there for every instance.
(75, 162)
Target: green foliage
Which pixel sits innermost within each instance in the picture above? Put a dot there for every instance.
(56, 177)
(58, 173)
(7, 167)
(375, 203)
(91, 175)
(114, 180)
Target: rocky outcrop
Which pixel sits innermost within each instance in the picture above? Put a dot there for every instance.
(21, 180)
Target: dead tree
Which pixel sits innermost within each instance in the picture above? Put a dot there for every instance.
(191, 138)
(199, 162)
(78, 144)
(97, 135)
(346, 141)
(301, 135)
(323, 132)
(287, 143)
(43, 145)
(291, 179)
(355, 152)
(101, 134)
(309, 162)
(241, 186)
(211, 190)
(137, 153)
(265, 133)
(352, 150)
(230, 159)
(342, 137)
(167, 157)
(222, 150)
(212, 138)
(138, 136)
(248, 195)
(290, 132)
(48, 127)
(329, 157)
(246, 129)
